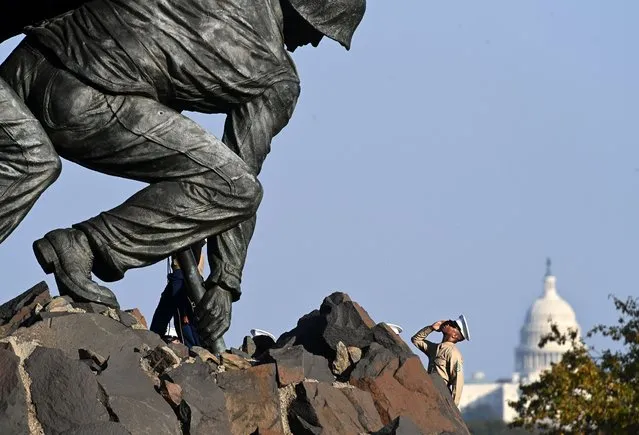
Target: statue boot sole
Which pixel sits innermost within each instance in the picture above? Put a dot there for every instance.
(50, 263)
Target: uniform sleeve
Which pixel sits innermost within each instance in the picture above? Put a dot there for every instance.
(456, 376)
(251, 126)
(419, 340)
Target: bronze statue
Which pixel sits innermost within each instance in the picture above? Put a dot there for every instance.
(107, 82)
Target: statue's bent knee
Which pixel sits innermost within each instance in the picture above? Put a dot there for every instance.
(249, 191)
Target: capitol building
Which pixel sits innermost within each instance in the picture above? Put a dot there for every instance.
(482, 400)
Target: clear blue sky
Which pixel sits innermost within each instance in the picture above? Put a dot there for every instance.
(428, 172)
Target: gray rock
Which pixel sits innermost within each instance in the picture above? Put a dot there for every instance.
(204, 398)
(10, 308)
(294, 364)
(346, 321)
(145, 415)
(338, 319)
(13, 402)
(129, 393)
(108, 428)
(239, 352)
(262, 344)
(20, 310)
(127, 319)
(320, 405)
(45, 315)
(385, 336)
(307, 333)
(400, 426)
(64, 392)
(377, 357)
(90, 307)
(248, 345)
(204, 355)
(179, 349)
(96, 362)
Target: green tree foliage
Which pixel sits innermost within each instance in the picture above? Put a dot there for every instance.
(494, 427)
(588, 392)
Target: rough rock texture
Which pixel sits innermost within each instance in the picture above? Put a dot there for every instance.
(248, 346)
(321, 406)
(405, 389)
(294, 364)
(203, 400)
(252, 400)
(126, 390)
(21, 308)
(234, 362)
(388, 369)
(80, 368)
(400, 426)
(108, 428)
(338, 319)
(138, 317)
(13, 404)
(64, 391)
(342, 360)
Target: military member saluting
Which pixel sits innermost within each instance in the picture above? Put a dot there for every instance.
(444, 357)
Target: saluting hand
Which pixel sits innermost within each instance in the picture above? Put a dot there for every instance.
(437, 325)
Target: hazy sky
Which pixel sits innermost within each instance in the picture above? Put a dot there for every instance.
(428, 172)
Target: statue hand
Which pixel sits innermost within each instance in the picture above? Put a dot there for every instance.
(213, 316)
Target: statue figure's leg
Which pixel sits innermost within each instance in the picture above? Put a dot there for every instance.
(227, 254)
(198, 186)
(28, 162)
(227, 251)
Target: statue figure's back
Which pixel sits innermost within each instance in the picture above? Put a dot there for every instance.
(201, 55)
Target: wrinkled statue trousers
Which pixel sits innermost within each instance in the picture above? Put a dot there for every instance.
(28, 162)
(198, 187)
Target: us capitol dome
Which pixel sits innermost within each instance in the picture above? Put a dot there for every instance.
(549, 309)
(488, 400)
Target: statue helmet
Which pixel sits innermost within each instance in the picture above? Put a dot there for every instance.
(336, 19)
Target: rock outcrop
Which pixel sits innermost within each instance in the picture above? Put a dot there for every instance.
(79, 368)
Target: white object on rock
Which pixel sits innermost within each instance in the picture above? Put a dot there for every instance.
(256, 332)
(396, 328)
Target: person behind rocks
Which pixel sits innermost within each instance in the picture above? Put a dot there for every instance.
(174, 303)
(444, 358)
(109, 81)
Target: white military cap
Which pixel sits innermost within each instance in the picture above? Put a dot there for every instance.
(463, 326)
(258, 332)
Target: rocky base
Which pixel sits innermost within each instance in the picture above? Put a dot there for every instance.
(78, 368)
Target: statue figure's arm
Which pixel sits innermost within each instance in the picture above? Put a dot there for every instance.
(17, 14)
(250, 127)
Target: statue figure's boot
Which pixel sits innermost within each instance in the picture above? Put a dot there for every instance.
(66, 253)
